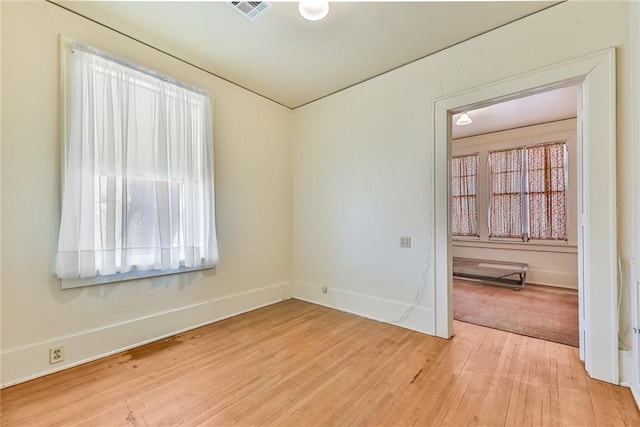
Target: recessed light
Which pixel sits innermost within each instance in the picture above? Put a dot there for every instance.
(313, 10)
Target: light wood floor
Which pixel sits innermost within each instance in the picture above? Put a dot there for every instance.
(299, 364)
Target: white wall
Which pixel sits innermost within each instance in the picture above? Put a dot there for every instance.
(253, 202)
(550, 263)
(363, 160)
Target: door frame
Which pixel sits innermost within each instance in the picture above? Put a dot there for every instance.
(635, 323)
(597, 238)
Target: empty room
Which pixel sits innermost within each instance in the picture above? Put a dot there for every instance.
(513, 216)
(240, 213)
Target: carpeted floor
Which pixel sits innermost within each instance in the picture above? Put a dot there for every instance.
(537, 311)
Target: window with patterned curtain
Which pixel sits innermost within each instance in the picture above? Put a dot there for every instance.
(546, 191)
(464, 195)
(527, 192)
(505, 193)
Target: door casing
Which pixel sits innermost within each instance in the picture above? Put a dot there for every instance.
(597, 239)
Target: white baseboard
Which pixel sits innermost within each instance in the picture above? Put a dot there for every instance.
(625, 368)
(626, 374)
(636, 395)
(397, 313)
(553, 278)
(32, 361)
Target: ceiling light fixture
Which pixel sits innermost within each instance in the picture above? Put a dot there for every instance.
(313, 10)
(464, 120)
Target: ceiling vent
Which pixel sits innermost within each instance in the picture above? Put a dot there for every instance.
(251, 9)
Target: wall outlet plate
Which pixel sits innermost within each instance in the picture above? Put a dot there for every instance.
(56, 354)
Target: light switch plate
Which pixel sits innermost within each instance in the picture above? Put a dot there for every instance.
(405, 241)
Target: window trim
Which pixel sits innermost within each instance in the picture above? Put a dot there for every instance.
(125, 277)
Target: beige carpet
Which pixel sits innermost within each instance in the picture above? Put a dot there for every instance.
(537, 311)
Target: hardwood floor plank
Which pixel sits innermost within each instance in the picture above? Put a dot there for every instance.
(296, 363)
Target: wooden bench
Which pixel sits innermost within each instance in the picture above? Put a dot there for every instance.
(504, 273)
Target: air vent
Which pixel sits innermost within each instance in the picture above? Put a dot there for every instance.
(251, 9)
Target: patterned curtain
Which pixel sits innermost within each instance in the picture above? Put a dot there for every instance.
(505, 186)
(547, 191)
(464, 195)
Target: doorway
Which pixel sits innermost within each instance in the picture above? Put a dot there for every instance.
(597, 243)
(514, 205)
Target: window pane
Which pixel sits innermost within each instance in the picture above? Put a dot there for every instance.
(505, 198)
(464, 195)
(547, 192)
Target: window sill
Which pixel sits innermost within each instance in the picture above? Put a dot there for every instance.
(465, 238)
(538, 246)
(123, 277)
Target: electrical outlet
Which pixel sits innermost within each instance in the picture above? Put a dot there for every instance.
(56, 354)
(324, 289)
(405, 241)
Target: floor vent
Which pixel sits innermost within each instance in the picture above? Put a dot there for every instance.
(251, 9)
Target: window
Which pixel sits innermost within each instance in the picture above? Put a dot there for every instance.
(527, 192)
(505, 174)
(546, 195)
(464, 195)
(138, 174)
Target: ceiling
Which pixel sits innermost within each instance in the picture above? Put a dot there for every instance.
(291, 61)
(550, 106)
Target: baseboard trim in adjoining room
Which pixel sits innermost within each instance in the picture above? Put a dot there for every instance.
(29, 362)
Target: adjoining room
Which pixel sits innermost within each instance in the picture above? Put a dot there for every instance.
(514, 220)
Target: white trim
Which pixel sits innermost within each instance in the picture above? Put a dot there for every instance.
(596, 73)
(635, 317)
(124, 277)
(398, 313)
(530, 246)
(635, 186)
(26, 363)
(636, 395)
(580, 224)
(626, 368)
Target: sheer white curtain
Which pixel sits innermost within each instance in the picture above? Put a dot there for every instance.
(138, 175)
